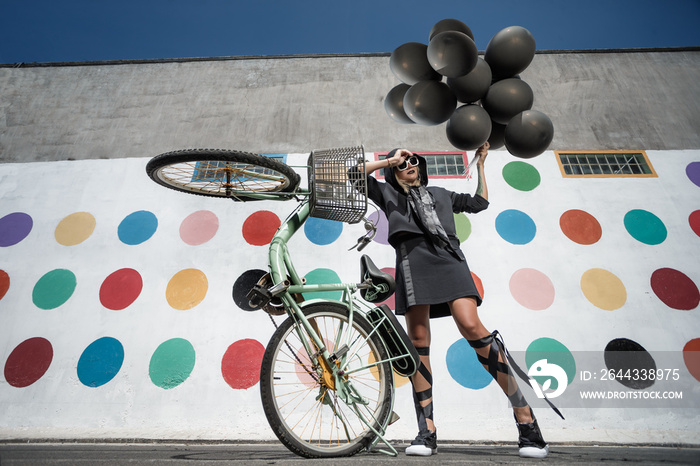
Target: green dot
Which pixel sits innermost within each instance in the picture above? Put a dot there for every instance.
(172, 362)
(463, 226)
(521, 176)
(54, 289)
(554, 352)
(645, 227)
(323, 277)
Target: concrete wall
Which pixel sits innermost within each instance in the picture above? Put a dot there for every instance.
(596, 101)
(116, 294)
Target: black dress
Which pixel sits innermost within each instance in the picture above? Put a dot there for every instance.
(425, 272)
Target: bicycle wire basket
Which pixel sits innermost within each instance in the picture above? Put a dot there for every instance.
(337, 184)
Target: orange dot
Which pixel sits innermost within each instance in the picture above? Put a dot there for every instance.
(186, 289)
(580, 227)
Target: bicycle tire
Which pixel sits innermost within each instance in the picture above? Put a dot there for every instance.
(222, 173)
(300, 408)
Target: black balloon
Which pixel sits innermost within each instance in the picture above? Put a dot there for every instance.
(510, 51)
(452, 54)
(473, 85)
(429, 103)
(507, 98)
(469, 127)
(393, 104)
(497, 137)
(528, 134)
(409, 63)
(450, 25)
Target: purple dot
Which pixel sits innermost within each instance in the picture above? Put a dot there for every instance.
(693, 172)
(14, 228)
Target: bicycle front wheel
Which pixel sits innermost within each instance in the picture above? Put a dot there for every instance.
(221, 173)
(303, 407)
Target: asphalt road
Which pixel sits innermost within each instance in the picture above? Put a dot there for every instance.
(159, 454)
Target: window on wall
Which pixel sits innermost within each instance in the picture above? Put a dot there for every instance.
(598, 164)
(440, 164)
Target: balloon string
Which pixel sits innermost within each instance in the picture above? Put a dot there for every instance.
(467, 171)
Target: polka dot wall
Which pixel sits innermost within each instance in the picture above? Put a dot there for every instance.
(132, 297)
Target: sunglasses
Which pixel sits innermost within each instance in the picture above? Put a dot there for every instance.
(411, 161)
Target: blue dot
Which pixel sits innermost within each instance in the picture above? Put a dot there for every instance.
(322, 231)
(100, 362)
(137, 227)
(515, 226)
(464, 367)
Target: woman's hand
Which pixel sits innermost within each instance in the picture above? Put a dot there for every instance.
(399, 156)
(482, 152)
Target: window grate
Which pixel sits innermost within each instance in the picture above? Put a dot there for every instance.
(574, 164)
(440, 164)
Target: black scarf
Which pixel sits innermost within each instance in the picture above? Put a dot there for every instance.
(422, 203)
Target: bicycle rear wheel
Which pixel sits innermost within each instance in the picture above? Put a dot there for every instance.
(222, 173)
(302, 408)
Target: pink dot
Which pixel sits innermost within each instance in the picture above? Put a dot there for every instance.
(260, 227)
(120, 289)
(28, 362)
(532, 289)
(199, 227)
(240, 365)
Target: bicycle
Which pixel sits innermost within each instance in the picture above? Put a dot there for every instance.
(326, 378)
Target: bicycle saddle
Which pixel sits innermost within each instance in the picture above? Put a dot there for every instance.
(383, 284)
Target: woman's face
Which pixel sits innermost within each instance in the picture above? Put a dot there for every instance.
(408, 176)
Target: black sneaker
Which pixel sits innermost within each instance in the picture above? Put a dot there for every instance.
(425, 444)
(530, 441)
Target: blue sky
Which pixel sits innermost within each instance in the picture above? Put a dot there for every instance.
(88, 30)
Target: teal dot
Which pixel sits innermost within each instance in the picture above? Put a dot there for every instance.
(463, 226)
(645, 227)
(137, 227)
(172, 363)
(100, 362)
(323, 277)
(54, 289)
(464, 367)
(515, 226)
(521, 176)
(322, 231)
(554, 352)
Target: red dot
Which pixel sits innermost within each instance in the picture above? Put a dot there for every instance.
(479, 284)
(260, 227)
(391, 301)
(694, 221)
(4, 283)
(691, 357)
(240, 365)
(28, 362)
(675, 289)
(580, 227)
(120, 289)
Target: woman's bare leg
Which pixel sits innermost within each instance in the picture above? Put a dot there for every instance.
(418, 323)
(465, 315)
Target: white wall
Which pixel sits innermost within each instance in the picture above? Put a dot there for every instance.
(204, 406)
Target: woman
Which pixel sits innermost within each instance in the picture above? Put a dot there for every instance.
(433, 280)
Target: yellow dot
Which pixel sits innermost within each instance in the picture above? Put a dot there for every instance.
(186, 289)
(75, 228)
(399, 380)
(603, 289)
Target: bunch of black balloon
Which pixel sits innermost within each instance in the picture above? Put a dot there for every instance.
(480, 99)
